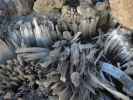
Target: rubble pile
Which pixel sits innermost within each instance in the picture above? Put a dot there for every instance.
(64, 50)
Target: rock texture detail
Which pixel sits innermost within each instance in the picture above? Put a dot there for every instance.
(122, 11)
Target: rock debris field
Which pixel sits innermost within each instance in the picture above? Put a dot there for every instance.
(66, 50)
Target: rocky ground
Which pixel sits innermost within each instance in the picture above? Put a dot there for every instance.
(63, 50)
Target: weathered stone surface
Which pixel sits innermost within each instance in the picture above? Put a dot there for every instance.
(47, 5)
(122, 11)
(24, 7)
(16, 7)
(3, 8)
